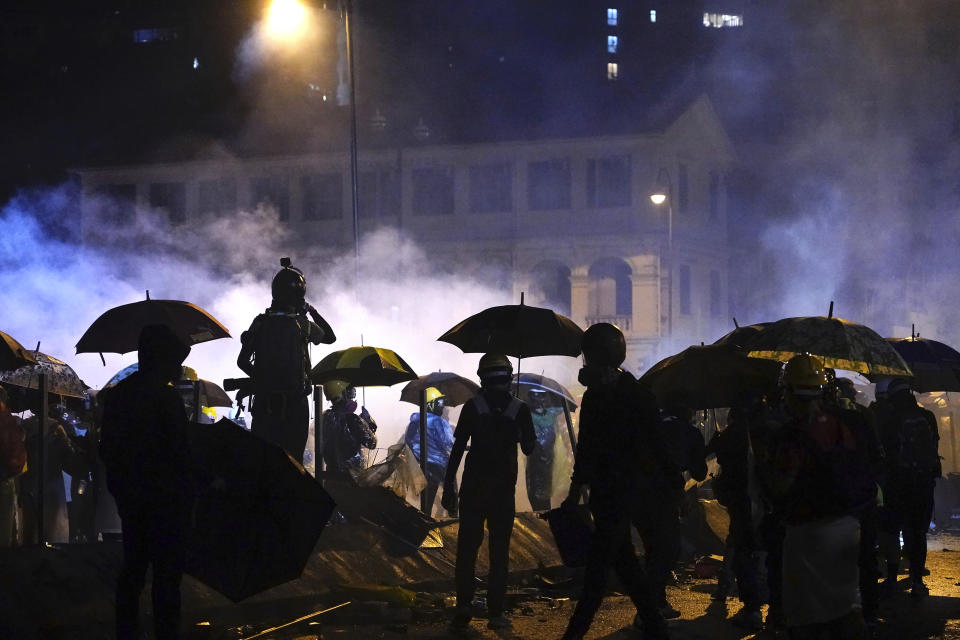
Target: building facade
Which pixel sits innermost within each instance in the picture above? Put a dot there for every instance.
(567, 221)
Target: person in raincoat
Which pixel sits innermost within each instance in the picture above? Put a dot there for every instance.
(345, 434)
(540, 462)
(439, 443)
(274, 354)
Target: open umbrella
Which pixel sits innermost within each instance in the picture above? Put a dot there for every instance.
(117, 330)
(528, 381)
(935, 366)
(12, 354)
(841, 344)
(455, 388)
(742, 335)
(711, 376)
(211, 394)
(517, 330)
(259, 529)
(363, 367)
(61, 378)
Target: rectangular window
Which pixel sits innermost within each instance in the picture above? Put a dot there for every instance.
(613, 71)
(120, 206)
(683, 188)
(716, 308)
(714, 194)
(379, 192)
(608, 182)
(491, 188)
(172, 198)
(322, 196)
(684, 289)
(433, 191)
(613, 17)
(548, 185)
(272, 192)
(722, 20)
(613, 43)
(217, 196)
(653, 15)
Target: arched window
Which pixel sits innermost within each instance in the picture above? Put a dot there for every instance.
(611, 292)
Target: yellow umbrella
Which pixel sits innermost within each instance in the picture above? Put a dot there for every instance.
(363, 367)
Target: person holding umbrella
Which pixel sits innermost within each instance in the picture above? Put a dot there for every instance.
(493, 421)
(145, 450)
(345, 434)
(274, 354)
(439, 443)
(617, 417)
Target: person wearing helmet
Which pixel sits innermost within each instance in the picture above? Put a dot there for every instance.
(274, 354)
(819, 478)
(439, 443)
(493, 422)
(539, 472)
(912, 465)
(345, 434)
(617, 419)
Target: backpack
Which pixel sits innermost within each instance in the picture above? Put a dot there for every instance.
(281, 361)
(917, 444)
(13, 448)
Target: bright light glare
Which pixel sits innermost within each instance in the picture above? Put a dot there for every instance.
(658, 198)
(286, 19)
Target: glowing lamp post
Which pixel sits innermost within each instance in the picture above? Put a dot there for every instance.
(664, 193)
(286, 23)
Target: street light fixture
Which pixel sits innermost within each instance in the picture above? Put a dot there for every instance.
(664, 193)
(286, 20)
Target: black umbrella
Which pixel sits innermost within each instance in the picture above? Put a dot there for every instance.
(117, 330)
(455, 388)
(711, 376)
(259, 529)
(741, 336)
(12, 354)
(517, 330)
(935, 365)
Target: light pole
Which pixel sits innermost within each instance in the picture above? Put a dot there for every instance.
(664, 193)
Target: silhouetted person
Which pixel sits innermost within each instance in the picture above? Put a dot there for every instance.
(345, 434)
(439, 443)
(145, 449)
(617, 418)
(274, 354)
(912, 465)
(539, 472)
(493, 421)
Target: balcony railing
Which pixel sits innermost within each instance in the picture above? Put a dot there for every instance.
(624, 322)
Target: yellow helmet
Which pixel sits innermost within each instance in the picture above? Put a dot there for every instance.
(804, 375)
(433, 393)
(188, 373)
(333, 389)
(210, 411)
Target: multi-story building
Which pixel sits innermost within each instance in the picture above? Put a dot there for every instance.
(568, 220)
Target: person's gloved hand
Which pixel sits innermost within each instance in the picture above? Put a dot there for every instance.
(449, 499)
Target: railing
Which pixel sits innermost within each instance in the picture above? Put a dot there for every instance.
(624, 322)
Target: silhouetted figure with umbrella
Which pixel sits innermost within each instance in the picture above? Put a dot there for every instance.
(274, 354)
(146, 452)
(494, 421)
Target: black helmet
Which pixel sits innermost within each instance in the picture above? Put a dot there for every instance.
(289, 286)
(494, 365)
(603, 344)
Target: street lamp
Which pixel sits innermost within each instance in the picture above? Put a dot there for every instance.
(287, 22)
(664, 193)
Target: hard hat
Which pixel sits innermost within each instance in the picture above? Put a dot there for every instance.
(804, 375)
(210, 411)
(289, 286)
(603, 344)
(333, 389)
(493, 365)
(433, 393)
(188, 373)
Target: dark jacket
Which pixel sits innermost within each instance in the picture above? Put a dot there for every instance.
(344, 435)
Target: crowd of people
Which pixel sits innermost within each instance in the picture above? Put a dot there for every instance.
(812, 481)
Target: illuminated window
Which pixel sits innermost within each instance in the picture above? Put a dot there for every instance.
(612, 17)
(612, 44)
(613, 71)
(721, 20)
(653, 15)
